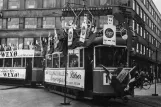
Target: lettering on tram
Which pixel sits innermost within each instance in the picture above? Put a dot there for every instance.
(18, 64)
(55, 68)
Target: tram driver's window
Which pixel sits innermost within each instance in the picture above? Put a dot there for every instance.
(8, 62)
(38, 62)
(55, 60)
(49, 61)
(73, 58)
(16, 62)
(1, 62)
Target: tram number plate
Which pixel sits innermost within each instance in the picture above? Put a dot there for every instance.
(106, 79)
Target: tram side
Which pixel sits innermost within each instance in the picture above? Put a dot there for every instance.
(21, 67)
(86, 78)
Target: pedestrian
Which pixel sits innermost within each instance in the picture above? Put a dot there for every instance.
(142, 77)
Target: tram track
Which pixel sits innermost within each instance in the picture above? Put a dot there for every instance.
(145, 102)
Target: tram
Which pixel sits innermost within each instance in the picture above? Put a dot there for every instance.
(21, 67)
(86, 78)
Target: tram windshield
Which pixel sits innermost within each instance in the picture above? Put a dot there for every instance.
(110, 56)
(58, 60)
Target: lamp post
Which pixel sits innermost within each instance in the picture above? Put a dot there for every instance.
(156, 68)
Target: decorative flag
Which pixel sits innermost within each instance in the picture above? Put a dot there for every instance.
(110, 19)
(41, 44)
(49, 38)
(70, 36)
(56, 40)
(83, 29)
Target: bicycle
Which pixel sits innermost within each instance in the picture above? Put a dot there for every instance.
(143, 85)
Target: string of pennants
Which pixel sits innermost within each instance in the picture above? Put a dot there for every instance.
(72, 36)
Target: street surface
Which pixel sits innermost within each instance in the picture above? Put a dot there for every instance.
(11, 96)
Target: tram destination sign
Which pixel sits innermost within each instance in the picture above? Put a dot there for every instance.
(16, 53)
(13, 73)
(75, 78)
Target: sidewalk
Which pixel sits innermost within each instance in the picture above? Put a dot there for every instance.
(145, 96)
(149, 92)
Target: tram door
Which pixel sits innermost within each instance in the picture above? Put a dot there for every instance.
(88, 69)
(29, 69)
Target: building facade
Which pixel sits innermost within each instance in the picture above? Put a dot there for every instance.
(25, 21)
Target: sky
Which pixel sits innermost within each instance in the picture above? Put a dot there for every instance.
(157, 3)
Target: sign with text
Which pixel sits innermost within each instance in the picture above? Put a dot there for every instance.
(13, 73)
(17, 53)
(74, 78)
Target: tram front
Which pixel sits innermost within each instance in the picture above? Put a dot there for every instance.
(109, 63)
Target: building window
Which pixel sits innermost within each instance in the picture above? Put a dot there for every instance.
(31, 4)
(141, 13)
(144, 32)
(12, 42)
(13, 23)
(137, 28)
(140, 48)
(30, 22)
(1, 4)
(141, 31)
(1, 23)
(137, 8)
(143, 50)
(49, 22)
(134, 3)
(49, 3)
(14, 4)
(27, 42)
(137, 47)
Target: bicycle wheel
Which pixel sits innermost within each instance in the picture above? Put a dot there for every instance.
(146, 85)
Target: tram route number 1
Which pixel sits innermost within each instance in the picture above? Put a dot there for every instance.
(106, 79)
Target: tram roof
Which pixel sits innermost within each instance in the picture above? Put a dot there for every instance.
(120, 46)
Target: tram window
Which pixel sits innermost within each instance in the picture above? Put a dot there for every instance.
(62, 61)
(16, 62)
(49, 61)
(81, 58)
(8, 62)
(1, 62)
(73, 58)
(55, 60)
(24, 62)
(110, 57)
(38, 62)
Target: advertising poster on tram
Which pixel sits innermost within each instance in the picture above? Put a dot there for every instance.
(74, 78)
(13, 73)
(17, 53)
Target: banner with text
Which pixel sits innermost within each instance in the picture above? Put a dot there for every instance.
(13, 73)
(74, 78)
(17, 53)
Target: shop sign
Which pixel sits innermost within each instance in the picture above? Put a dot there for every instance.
(74, 78)
(13, 73)
(17, 53)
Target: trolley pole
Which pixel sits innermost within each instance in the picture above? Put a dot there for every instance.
(156, 68)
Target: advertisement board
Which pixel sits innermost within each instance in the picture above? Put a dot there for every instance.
(13, 73)
(17, 53)
(74, 78)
